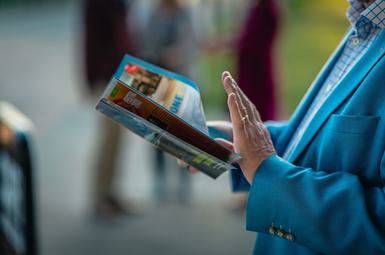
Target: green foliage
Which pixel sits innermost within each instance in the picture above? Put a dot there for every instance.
(308, 38)
(211, 67)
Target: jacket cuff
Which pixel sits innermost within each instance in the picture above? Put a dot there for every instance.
(238, 180)
(266, 199)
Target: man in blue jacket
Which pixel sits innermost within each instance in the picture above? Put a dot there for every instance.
(316, 183)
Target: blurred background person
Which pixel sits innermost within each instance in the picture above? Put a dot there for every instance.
(106, 40)
(169, 37)
(169, 42)
(255, 56)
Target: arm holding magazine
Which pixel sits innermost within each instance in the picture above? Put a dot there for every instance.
(251, 138)
(294, 204)
(318, 198)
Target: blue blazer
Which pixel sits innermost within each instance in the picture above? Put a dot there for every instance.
(329, 196)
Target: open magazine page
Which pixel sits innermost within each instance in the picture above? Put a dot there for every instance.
(174, 92)
(166, 112)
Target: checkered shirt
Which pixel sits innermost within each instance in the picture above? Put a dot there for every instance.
(366, 21)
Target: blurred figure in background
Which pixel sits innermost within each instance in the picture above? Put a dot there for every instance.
(169, 39)
(169, 42)
(255, 48)
(107, 39)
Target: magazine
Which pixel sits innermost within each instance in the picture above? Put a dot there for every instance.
(165, 109)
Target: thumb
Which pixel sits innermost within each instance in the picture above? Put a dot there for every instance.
(225, 143)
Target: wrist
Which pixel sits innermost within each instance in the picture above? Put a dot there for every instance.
(249, 171)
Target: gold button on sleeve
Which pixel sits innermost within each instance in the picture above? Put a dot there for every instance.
(290, 237)
(272, 230)
(281, 233)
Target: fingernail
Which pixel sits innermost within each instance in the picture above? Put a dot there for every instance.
(225, 74)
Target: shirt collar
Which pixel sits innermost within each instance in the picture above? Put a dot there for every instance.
(375, 12)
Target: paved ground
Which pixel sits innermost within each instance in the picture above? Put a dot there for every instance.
(40, 73)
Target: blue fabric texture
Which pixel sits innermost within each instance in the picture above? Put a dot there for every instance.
(328, 195)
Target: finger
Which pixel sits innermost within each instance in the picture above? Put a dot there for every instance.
(229, 145)
(228, 84)
(192, 170)
(225, 74)
(246, 108)
(236, 117)
(231, 86)
(243, 104)
(189, 168)
(250, 108)
(182, 163)
(245, 115)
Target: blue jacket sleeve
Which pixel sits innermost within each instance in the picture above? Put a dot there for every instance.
(332, 213)
(238, 181)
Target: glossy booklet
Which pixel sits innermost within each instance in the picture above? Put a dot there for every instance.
(165, 109)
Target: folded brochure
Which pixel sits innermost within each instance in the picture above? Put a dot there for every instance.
(165, 109)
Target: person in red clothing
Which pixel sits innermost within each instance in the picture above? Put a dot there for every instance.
(106, 40)
(255, 48)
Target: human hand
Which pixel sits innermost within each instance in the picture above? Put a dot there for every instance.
(189, 168)
(251, 139)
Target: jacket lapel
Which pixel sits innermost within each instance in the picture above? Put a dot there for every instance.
(345, 88)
